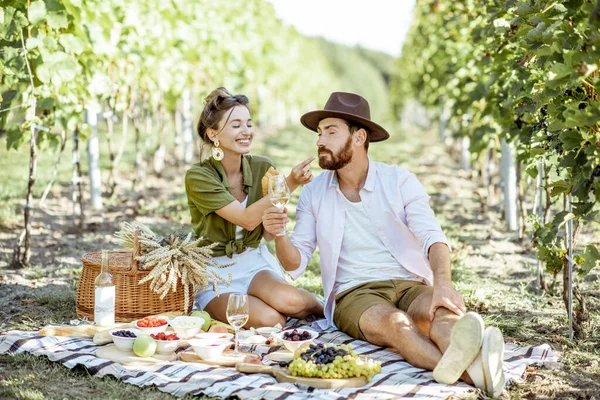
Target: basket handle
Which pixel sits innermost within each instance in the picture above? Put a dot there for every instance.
(135, 253)
(132, 269)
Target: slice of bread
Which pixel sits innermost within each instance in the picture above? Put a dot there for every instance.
(265, 180)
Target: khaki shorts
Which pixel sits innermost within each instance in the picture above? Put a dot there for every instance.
(352, 303)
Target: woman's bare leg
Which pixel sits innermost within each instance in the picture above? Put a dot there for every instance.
(261, 314)
(283, 297)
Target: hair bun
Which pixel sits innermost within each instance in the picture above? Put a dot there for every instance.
(216, 95)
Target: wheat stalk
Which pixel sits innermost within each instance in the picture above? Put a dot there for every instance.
(172, 258)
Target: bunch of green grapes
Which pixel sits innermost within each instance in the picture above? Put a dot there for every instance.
(332, 361)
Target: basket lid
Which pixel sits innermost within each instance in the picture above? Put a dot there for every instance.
(116, 259)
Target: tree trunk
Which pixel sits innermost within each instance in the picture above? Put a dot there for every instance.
(178, 123)
(110, 129)
(124, 134)
(188, 132)
(139, 155)
(22, 260)
(465, 154)
(581, 312)
(520, 202)
(509, 182)
(77, 196)
(93, 149)
(159, 155)
(443, 124)
(539, 203)
(44, 195)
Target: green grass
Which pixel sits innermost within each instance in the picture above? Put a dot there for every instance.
(23, 376)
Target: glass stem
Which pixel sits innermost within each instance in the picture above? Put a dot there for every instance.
(235, 350)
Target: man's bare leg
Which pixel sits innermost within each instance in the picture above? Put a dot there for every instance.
(385, 325)
(418, 340)
(439, 330)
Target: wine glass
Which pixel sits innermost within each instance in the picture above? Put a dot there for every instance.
(279, 194)
(237, 314)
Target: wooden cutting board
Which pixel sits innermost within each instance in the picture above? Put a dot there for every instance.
(282, 375)
(226, 359)
(112, 353)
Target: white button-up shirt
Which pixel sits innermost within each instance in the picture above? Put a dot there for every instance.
(396, 204)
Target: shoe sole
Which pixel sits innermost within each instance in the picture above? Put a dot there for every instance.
(492, 356)
(465, 343)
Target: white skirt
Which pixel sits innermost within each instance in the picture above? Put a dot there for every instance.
(247, 265)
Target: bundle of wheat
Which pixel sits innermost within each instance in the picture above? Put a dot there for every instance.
(176, 256)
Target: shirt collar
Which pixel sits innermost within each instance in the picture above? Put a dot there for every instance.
(369, 182)
(246, 171)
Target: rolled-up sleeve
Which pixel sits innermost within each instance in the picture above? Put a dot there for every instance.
(419, 215)
(304, 237)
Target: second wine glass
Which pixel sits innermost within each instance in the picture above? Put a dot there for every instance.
(238, 311)
(279, 194)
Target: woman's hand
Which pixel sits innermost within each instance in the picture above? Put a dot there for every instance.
(301, 174)
(275, 220)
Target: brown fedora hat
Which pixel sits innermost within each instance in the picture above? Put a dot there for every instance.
(348, 106)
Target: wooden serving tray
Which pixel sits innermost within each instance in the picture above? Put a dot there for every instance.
(112, 353)
(282, 375)
(226, 359)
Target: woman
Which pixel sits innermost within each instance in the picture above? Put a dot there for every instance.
(226, 205)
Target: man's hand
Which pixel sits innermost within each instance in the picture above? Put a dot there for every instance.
(275, 220)
(447, 297)
(301, 174)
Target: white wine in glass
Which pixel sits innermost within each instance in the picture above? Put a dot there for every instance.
(279, 194)
(238, 311)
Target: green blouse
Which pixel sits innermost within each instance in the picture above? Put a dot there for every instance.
(208, 190)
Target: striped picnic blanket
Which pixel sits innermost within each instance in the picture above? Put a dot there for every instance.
(398, 379)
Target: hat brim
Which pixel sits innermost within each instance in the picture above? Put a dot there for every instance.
(311, 121)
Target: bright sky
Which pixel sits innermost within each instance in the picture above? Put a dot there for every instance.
(374, 24)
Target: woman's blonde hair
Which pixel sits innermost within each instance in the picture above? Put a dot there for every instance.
(216, 104)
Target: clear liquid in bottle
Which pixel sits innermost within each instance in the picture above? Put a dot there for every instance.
(104, 295)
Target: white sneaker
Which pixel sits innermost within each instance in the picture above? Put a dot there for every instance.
(486, 371)
(465, 344)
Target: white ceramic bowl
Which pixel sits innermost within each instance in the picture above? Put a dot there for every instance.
(156, 329)
(124, 343)
(292, 345)
(267, 331)
(215, 335)
(166, 346)
(209, 349)
(186, 327)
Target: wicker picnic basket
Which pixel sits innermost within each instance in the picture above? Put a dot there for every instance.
(132, 301)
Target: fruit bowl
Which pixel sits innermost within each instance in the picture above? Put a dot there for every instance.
(209, 349)
(150, 325)
(292, 339)
(124, 343)
(187, 327)
(166, 344)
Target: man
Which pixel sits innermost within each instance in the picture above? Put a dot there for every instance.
(385, 263)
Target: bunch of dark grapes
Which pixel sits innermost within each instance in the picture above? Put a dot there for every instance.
(320, 354)
(296, 336)
(125, 334)
(331, 361)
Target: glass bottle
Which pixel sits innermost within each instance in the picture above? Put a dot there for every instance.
(104, 295)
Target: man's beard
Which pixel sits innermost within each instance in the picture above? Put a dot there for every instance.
(339, 160)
